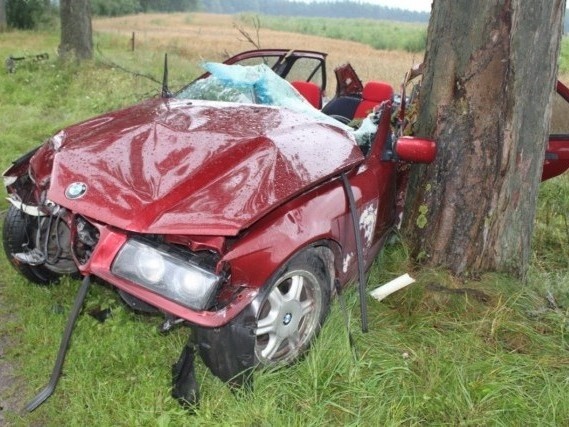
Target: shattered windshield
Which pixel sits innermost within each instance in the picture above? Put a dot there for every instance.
(214, 89)
(256, 84)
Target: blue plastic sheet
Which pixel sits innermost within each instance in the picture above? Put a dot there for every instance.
(260, 85)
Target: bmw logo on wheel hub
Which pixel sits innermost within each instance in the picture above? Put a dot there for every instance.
(287, 318)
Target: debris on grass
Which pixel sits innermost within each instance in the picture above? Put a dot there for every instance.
(400, 282)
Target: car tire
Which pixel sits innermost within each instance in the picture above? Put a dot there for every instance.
(292, 310)
(19, 235)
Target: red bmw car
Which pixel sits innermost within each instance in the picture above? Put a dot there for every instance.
(238, 206)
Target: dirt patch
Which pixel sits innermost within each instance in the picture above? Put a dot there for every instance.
(11, 400)
(8, 401)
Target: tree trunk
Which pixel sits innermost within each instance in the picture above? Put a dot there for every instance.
(490, 70)
(3, 21)
(76, 32)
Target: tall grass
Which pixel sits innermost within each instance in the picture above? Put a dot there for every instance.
(441, 352)
(382, 35)
(551, 237)
(564, 56)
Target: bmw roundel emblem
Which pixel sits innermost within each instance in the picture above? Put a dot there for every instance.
(76, 190)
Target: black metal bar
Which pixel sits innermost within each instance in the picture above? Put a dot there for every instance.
(165, 91)
(48, 390)
(359, 251)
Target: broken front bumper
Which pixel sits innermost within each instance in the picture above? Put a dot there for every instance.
(100, 264)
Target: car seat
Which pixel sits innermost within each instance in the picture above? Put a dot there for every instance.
(374, 93)
(310, 91)
(343, 106)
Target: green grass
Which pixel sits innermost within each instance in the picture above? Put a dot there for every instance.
(496, 354)
(377, 34)
(551, 236)
(430, 357)
(564, 56)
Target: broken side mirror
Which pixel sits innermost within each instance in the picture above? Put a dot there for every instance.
(415, 150)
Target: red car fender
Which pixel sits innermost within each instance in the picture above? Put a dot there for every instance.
(314, 217)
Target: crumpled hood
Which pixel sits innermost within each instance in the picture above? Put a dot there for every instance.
(193, 167)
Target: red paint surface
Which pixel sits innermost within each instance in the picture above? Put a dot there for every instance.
(556, 157)
(557, 152)
(203, 168)
(418, 150)
(319, 216)
(255, 184)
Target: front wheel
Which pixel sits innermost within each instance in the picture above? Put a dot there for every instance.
(293, 310)
(19, 235)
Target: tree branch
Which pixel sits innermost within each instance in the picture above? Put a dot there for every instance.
(248, 37)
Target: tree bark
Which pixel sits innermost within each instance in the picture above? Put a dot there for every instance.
(76, 30)
(3, 21)
(490, 71)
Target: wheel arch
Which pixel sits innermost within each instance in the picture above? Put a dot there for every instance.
(228, 351)
(318, 218)
(268, 264)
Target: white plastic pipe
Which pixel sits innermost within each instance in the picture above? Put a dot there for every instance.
(393, 286)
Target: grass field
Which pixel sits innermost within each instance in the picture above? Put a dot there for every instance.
(442, 352)
(214, 37)
(382, 35)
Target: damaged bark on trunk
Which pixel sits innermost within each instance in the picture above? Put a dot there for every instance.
(490, 69)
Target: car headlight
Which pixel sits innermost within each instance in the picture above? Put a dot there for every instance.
(166, 273)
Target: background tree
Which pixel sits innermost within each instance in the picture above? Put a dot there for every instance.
(76, 30)
(490, 69)
(24, 14)
(168, 5)
(126, 7)
(3, 21)
(114, 7)
(330, 9)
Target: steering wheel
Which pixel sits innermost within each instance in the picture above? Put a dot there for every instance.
(341, 119)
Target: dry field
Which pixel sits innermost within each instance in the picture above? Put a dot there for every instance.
(200, 36)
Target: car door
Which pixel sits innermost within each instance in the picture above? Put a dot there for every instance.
(291, 65)
(375, 184)
(557, 152)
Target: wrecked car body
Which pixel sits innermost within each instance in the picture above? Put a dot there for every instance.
(240, 217)
(557, 152)
(239, 206)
